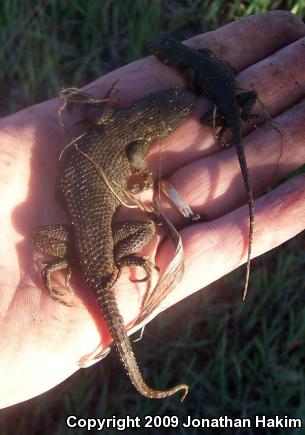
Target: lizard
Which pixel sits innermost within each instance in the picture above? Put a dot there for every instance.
(209, 76)
(118, 142)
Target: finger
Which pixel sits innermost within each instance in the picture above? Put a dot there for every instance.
(214, 186)
(216, 248)
(279, 79)
(264, 33)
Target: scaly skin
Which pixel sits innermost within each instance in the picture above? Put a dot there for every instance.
(118, 147)
(209, 76)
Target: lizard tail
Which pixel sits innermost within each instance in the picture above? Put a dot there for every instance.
(246, 177)
(115, 323)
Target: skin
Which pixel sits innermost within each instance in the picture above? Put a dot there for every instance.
(44, 340)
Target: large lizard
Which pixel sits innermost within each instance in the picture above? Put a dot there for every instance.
(117, 144)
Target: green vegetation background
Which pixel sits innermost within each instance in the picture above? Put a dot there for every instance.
(240, 359)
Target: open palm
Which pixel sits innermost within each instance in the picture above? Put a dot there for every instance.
(42, 341)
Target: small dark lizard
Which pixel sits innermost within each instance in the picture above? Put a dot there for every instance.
(118, 144)
(209, 76)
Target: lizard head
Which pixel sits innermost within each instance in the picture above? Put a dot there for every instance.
(172, 52)
(163, 47)
(168, 108)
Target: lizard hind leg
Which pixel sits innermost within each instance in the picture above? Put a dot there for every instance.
(55, 240)
(49, 268)
(129, 238)
(246, 101)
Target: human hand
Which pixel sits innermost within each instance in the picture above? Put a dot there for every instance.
(43, 340)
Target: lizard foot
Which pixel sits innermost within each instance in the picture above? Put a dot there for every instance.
(147, 265)
(49, 268)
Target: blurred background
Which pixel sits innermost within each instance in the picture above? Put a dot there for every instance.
(240, 359)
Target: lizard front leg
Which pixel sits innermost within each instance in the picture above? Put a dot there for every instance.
(214, 119)
(96, 111)
(136, 153)
(55, 240)
(246, 101)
